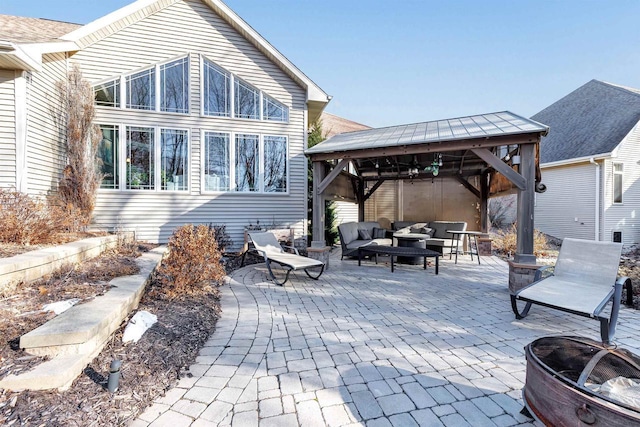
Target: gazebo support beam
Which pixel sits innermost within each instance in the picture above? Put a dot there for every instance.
(361, 200)
(373, 189)
(500, 166)
(332, 175)
(467, 185)
(484, 202)
(526, 198)
(317, 220)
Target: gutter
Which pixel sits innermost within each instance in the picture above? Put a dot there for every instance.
(597, 227)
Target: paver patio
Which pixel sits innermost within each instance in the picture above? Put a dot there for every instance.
(364, 346)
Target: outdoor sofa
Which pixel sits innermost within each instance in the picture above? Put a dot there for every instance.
(434, 232)
(356, 234)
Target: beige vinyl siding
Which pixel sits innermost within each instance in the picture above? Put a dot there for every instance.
(45, 121)
(7, 129)
(382, 206)
(624, 217)
(346, 212)
(190, 27)
(570, 195)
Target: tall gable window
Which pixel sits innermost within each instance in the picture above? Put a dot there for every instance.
(174, 86)
(247, 101)
(141, 90)
(216, 90)
(273, 110)
(617, 182)
(108, 94)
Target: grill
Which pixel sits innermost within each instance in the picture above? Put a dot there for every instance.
(576, 381)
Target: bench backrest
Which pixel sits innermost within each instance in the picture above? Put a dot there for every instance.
(589, 261)
(265, 242)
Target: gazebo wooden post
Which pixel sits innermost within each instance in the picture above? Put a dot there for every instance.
(317, 220)
(484, 202)
(526, 198)
(361, 200)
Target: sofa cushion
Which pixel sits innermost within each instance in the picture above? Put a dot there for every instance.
(348, 231)
(368, 225)
(417, 227)
(398, 225)
(379, 233)
(364, 235)
(440, 228)
(358, 243)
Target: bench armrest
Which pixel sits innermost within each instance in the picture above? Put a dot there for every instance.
(295, 250)
(626, 282)
(540, 273)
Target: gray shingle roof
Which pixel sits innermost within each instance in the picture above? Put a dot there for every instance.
(479, 126)
(18, 29)
(591, 120)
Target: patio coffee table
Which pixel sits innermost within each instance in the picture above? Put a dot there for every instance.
(395, 251)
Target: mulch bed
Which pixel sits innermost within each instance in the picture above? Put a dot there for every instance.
(150, 367)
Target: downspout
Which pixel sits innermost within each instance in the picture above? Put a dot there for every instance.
(597, 228)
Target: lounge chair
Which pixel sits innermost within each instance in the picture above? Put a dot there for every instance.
(583, 283)
(268, 246)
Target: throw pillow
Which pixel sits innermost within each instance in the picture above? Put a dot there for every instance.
(364, 234)
(428, 231)
(405, 230)
(417, 228)
(379, 233)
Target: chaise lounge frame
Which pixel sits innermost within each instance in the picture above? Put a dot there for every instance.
(583, 283)
(267, 245)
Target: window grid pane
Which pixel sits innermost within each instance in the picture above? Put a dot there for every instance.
(617, 182)
(140, 153)
(247, 101)
(274, 110)
(173, 159)
(141, 90)
(108, 94)
(217, 162)
(174, 85)
(217, 85)
(247, 165)
(275, 164)
(108, 157)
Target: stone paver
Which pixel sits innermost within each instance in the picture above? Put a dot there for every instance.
(364, 346)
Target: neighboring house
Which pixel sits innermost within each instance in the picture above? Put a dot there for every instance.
(346, 211)
(203, 121)
(589, 163)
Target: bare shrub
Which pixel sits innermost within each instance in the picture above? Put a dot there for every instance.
(193, 262)
(506, 242)
(499, 210)
(222, 237)
(28, 220)
(80, 178)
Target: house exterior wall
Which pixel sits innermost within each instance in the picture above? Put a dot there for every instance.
(190, 27)
(46, 129)
(567, 208)
(7, 129)
(623, 217)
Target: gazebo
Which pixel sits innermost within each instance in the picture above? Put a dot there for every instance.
(486, 153)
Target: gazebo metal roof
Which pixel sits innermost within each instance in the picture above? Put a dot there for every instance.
(479, 126)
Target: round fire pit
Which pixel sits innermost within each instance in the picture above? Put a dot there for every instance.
(575, 381)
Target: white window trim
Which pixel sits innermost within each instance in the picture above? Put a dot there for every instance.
(613, 183)
(232, 164)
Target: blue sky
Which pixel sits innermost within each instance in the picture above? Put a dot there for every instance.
(394, 62)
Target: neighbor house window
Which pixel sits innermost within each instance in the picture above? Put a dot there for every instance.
(216, 90)
(273, 110)
(108, 156)
(174, 86)
(217, 163)
(140, 158)
(173, 159)
(141, 90)
(247, 166)
(108, 94)
(247, 101)
(617, 182)
(275, 164)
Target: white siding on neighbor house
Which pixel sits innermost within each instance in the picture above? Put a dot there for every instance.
(45, 123)
(7, 129)
(567, 208)
(346, 212)
(624, 217)
(190, 27)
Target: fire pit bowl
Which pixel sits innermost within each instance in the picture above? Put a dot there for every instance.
(575, 381)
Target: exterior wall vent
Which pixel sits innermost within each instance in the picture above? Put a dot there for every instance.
(617, 236)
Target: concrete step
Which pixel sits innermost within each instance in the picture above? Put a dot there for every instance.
(76, 336)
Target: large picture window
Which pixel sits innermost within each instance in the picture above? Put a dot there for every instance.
(275, 164)
(617, 182)
(140, 158)
(217, 163)
(174, 86)
(247, 164)
(173, 159)
(108, 156)
(247, 101)
(216, 90)
(141, 90)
